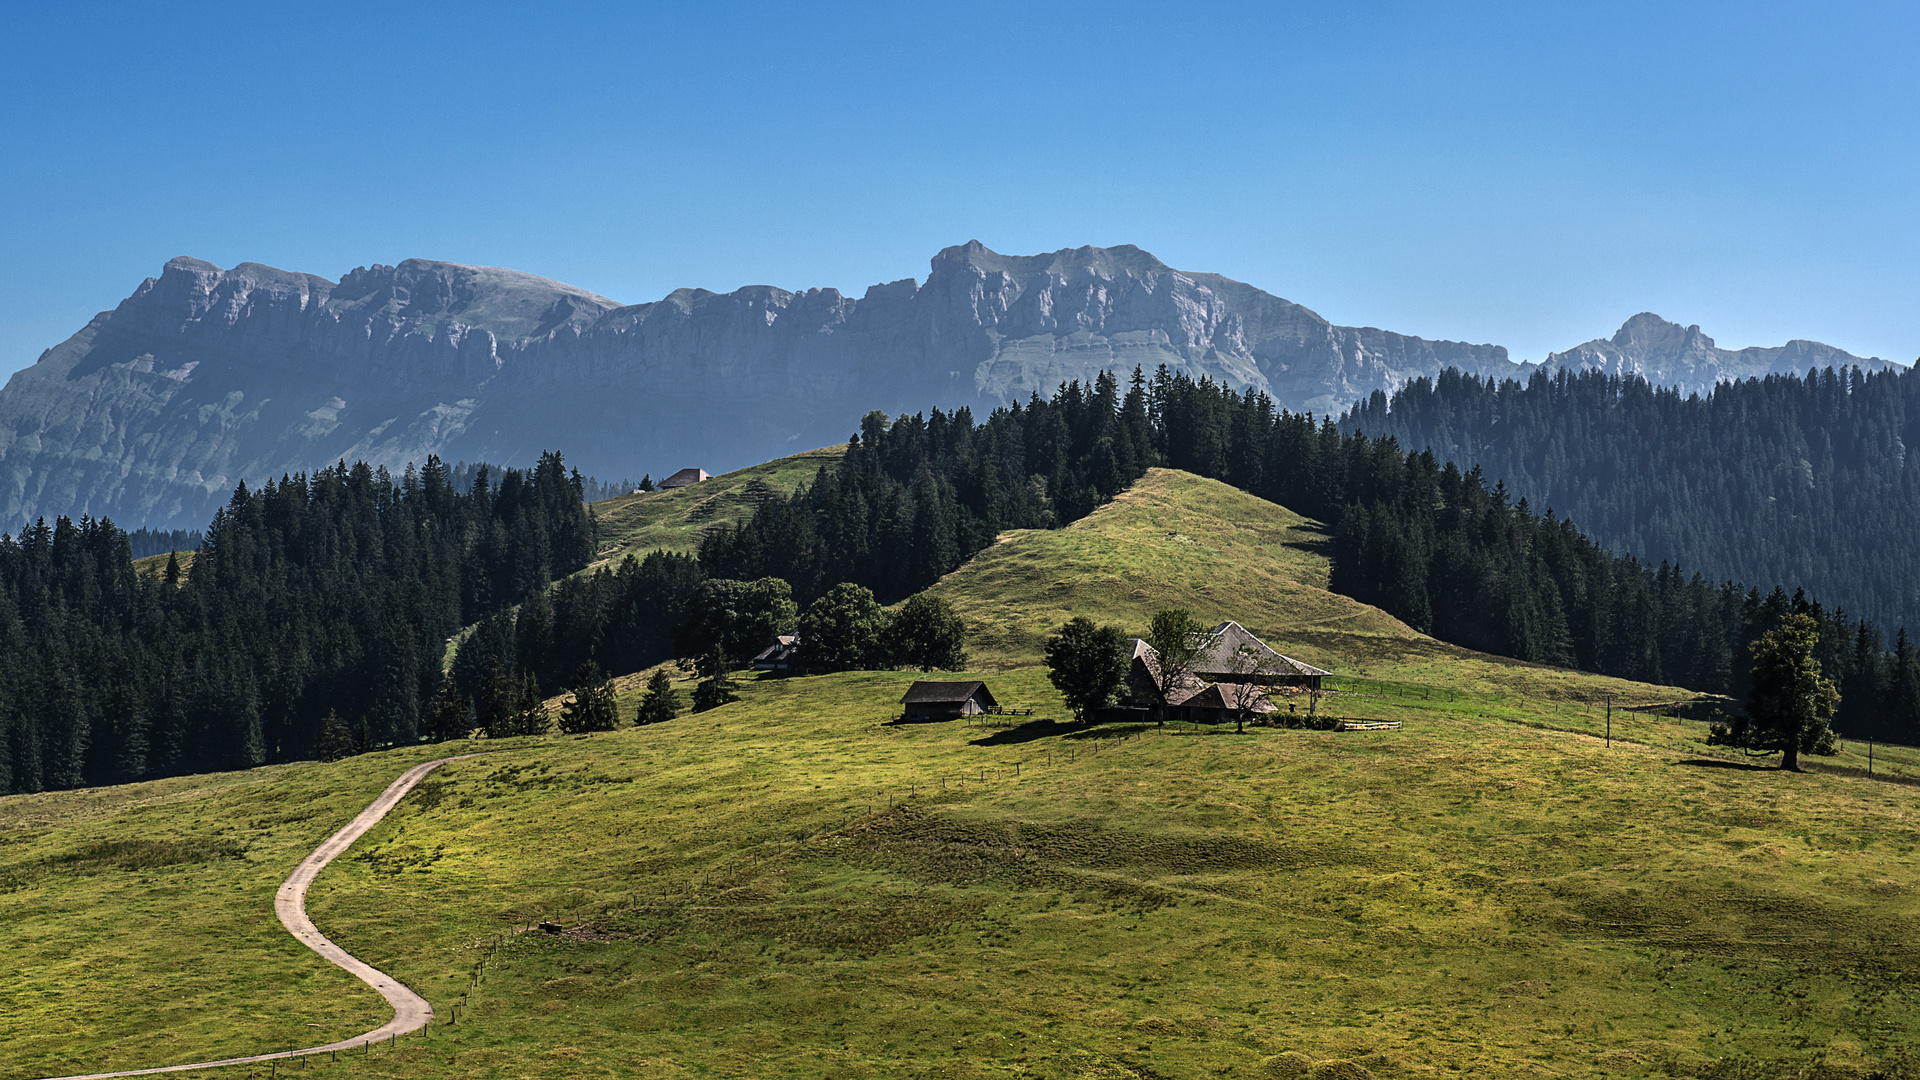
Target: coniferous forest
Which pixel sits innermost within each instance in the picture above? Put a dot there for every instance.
(1801, 479)
(327, 602)
(334, 593)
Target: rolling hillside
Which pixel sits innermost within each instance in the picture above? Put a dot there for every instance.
(673, 520)
(792, 886)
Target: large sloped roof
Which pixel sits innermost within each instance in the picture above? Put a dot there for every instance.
(1219, 658)
(935, 693)
(1229, 637)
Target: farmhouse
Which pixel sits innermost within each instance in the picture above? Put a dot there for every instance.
(1232, 660)
(780, 656)
(947, 700)
(684, 477)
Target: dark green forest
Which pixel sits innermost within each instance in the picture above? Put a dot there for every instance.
(1800, 479)
(339, 594)
(335, 592)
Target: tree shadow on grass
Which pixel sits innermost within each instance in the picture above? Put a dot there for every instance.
(1718, 763)
(1029, 731)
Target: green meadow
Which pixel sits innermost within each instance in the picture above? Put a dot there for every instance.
(674, 520)
(795, 885)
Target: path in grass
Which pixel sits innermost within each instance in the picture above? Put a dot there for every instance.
(410, 1011)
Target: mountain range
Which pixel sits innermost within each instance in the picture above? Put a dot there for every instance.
(205, 377)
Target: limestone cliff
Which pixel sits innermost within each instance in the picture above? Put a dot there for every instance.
(1668, 354)
(205, 377)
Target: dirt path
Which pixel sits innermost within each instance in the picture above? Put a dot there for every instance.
(410, 1011)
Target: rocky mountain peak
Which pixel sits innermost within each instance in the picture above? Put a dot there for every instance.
(1648, 333)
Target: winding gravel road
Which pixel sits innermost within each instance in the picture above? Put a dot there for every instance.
(410, 1011)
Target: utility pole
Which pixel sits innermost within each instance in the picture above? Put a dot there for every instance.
(1609, 721)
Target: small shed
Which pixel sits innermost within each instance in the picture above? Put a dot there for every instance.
(684, 477)
(947, 700)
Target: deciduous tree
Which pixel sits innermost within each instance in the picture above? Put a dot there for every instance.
(1087, 664)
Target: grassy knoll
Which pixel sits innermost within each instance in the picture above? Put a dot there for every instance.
(791, 886)
(674, 520)
(156, 565)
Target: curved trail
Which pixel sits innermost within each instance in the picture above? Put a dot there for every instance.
(410, 1011)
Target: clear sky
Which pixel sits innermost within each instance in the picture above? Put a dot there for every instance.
(1528, 174)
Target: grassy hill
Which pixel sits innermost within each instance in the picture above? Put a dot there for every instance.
(156, 565)
(674, 520)
(792, 886)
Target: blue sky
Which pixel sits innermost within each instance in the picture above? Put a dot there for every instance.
(1525, 174)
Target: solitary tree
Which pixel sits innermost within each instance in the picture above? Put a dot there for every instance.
(591, 706)
(927, 634)
(1181, 642)
(1790, 702)
(716, 684)
(1087, 664)
(845, 628)
(662, 701)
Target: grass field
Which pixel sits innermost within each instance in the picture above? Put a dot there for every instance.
(793, 886)
(673, 520)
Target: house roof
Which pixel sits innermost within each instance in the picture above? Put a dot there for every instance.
(1228, 639)
(782, 644)
(685, 477)
(936, 693)
(1220, 657)
(1215, 698)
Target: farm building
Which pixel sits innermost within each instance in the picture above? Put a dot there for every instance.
(947, 700)
(1232, 658)
(780, 656)
(684, 477)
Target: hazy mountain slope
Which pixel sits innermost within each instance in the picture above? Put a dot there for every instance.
(205, 377)
(1668, 354)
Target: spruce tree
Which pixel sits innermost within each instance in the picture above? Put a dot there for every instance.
(1790, 702)
(591, 706)
(451, 717)
(336, 741)
(716, 686)
(662, 701)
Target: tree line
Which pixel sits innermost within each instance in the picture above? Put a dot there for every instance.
(334, 593)
(1439, 546)
(320, 609)
(1802, 479)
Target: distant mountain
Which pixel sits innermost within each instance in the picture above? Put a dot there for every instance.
(205, 377)
(1668, 354)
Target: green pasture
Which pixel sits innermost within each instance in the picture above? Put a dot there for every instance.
(674, 520)
(794, 885)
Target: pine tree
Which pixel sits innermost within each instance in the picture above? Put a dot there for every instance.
(716, 686)
(336, 741)
(1790, 703)
(662, 701)
(591, 706)
(452, 716)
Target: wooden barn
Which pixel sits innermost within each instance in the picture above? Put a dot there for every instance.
(947, 700)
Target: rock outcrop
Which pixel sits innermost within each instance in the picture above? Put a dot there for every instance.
(1668, 354)
(206, 377)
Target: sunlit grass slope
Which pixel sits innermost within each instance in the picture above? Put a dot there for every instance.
(792, 886)
(674, 520)
(156, 565)
(1178, 540)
